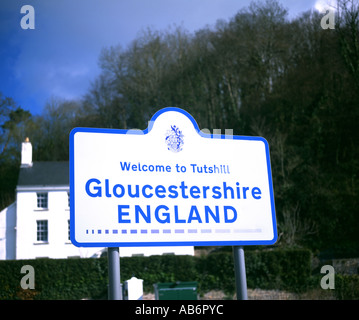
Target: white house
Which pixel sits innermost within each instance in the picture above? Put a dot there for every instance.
(37, 224)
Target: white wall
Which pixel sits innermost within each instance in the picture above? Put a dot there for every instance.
(57, 215)
(8, 232)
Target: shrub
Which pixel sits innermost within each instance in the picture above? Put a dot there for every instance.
(88, 278)
(55, 279)
(347, 287)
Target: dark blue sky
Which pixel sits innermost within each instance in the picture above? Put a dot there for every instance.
(59, 58)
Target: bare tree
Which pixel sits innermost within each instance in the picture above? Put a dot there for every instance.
(347, 26)
(293, 228)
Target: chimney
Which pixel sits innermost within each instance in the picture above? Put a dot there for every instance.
(26, 154)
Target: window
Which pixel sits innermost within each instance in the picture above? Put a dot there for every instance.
(42, 200)
(42, 230)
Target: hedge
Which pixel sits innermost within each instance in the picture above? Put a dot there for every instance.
(276, 269)
(87, 278)
(347, 287)
(55, 279)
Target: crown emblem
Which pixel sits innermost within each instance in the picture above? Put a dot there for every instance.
(174, 139)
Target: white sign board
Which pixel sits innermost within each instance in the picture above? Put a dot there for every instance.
(169, 185)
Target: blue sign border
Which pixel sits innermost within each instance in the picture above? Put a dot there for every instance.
(182, 243)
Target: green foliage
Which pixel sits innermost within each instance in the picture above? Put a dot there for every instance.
(216, 272)
(284, 269)
(88, 278)
(347, 287)
(55, 279)
(13, 129)
(153, 269)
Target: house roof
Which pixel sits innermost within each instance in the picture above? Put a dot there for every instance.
(45, 173)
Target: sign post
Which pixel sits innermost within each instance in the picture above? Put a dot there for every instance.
(240, 273)
(170, 185)
(114, 278)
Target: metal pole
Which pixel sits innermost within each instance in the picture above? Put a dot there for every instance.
(240, 272)
(114, 292)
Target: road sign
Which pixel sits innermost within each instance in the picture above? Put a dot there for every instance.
(170, 184)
